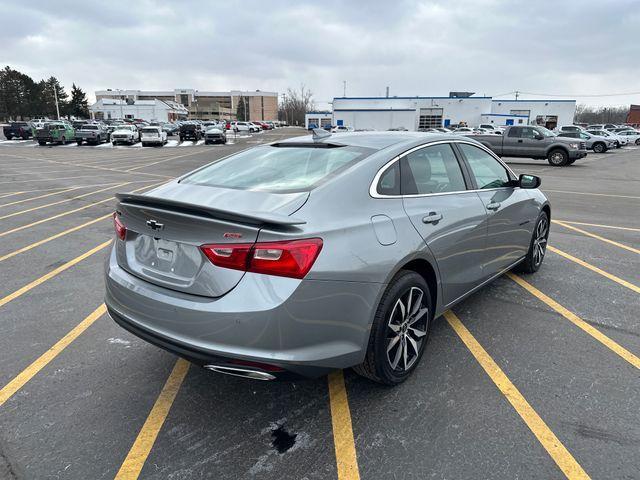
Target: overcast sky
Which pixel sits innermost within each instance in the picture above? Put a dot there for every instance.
(566, 48)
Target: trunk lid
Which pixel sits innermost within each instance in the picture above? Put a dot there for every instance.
(166, 227)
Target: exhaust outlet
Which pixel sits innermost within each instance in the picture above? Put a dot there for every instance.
(240, 372)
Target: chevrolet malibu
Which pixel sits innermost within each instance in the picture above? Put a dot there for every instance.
(320, 252)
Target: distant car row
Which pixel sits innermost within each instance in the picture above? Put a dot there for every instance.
(46, 131)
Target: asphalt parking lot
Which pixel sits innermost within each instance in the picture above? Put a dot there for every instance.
(532, 377)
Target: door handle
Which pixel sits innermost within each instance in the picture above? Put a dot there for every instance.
(520, 141)
(433, 217)
(493, 206)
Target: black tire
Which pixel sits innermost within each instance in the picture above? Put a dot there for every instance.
(9, 137)
(618, 144)
(41, 143)
(558, 157)
(390, 325)
(537, 247)
(144, 144)
(79, 142)
(207, 142)
(638, 142)
(113, 143)
(599, 147)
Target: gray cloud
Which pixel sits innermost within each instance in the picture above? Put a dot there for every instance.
(417, 48)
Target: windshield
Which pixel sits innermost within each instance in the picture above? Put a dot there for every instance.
(545, 132)
(278, 169)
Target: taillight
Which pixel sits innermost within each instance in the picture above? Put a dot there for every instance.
(121, 230)
(290, 258)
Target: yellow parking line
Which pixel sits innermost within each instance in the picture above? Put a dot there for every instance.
(552, 444)
(32, 370)
(63, 214)
(51, 274)
(578, 322)
(346, 458)
(598, 237)
(593, 268)
(11, 194)
(630, 229)
(65, 200)
(39, 197)
(132, 465)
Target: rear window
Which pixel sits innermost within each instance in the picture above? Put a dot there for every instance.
(149, 130)
(278, 169)
(89, 127)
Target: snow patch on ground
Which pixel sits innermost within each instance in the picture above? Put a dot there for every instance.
(119, 341)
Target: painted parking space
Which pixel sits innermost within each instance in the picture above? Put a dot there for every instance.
(520, 392)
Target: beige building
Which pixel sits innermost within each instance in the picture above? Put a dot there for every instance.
(205, 105)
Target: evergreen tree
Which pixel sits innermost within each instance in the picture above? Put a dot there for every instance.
(48, 98)
(79, 105)
(242, 110)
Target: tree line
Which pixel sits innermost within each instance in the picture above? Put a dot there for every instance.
(596, 115)
(22, 98)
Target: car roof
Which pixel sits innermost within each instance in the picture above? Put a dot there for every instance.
(373, 140)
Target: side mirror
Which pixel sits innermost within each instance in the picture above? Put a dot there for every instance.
(539, 136)
(529, 181)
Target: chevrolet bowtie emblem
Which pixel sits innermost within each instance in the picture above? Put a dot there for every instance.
(154, 225)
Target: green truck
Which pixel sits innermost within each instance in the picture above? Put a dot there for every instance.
(55, 132)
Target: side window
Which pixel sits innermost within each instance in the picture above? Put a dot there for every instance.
(488, 172)
(432, 169)
(515, 132)
(389, 183)
(528, 132)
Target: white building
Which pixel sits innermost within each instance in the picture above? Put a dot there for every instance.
(318, 119)
(148, 110)
(413, 113)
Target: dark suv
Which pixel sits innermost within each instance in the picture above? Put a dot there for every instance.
(190, 131)
(17, 129)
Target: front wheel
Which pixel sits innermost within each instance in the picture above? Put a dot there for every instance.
(537, 246)
(41, 143)
(599, 148)
(79, 142)
(400, 330)
(638, 142)
(558, 158)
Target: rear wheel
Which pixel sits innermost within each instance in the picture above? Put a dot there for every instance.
(558, 158)
(537, 247)
(79, 142)
(638, 142)
(41, 143)
(599, 147)
(400, 330)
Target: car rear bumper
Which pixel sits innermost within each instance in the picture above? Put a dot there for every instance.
(152, 140)
(306, 327)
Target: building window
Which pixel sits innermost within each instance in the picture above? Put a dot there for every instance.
(430, 118)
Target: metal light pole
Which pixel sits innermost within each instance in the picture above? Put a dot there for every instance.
(55, 96)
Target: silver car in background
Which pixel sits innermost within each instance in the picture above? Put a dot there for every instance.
(320, 252)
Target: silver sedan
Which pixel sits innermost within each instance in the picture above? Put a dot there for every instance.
(320, 252)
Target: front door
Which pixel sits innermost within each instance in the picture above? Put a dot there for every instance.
(450, 219)
(511, 211)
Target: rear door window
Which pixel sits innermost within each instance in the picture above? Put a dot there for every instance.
(433, 169)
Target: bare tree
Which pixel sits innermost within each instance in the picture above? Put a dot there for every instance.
(295, 104)
(588, 114)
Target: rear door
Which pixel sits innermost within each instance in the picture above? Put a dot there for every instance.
(450, 219)
(513, 143)
(511, 211)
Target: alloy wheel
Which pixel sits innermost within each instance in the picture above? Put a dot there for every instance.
(557, 158)
(407, 329)
(540, 241)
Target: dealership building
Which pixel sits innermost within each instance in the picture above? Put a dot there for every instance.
(149, 110)
(413, 113)
(206, 105)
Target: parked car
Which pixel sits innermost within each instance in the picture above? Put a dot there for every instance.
(153, 135)
(598, 144)
(240, 127)
(534, 141)
(170, 128)
(92, 133)
(17, 130)
(216, 265)
(569, 128)
(55, 132)
(463, 131)
(341, 129)
(128, 134)
(215, 135)
(257, 126)
(595, 127)
(491, 128)
(632, 136)
(190, 131)
(620, 141)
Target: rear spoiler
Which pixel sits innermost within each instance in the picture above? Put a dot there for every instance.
(250, 218)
